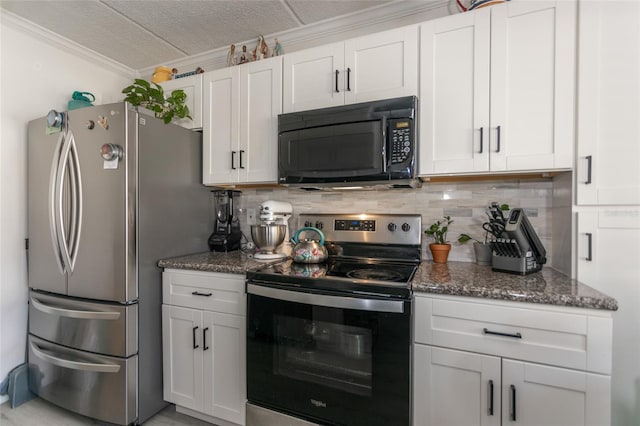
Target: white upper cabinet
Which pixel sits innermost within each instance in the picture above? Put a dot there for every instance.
(381, 66)
(312, 78)
(260, 104)
(377, 66)
(497, 89)
(241, 107)
(192, 87)
(454, 94)
(608, 142)
(221, 118)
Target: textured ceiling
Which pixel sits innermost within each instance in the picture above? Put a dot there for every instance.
(143, 33)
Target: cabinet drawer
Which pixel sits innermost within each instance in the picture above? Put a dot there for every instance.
(567, 338)
(211, 291)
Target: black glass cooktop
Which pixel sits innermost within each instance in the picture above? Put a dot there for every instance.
(352, 276)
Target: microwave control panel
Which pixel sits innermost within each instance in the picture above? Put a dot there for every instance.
(401, 137)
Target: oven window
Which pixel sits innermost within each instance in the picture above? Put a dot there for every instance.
(324, 353)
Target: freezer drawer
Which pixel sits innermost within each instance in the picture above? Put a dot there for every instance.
(96, 386)
(104, 328)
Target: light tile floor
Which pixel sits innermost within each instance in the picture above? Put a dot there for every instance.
(39, 412)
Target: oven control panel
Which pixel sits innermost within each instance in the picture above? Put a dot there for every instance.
(367, 228)
(355, 225)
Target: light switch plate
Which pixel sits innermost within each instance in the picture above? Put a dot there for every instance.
(251, 217)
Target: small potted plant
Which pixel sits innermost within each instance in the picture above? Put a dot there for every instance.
(481, 249)
(440, 247)
(151, 96)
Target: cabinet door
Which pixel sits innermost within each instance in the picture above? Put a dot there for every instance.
(454, 94)
(224, 366)
(382, 65)
(192, 87)
(608, 255)
(455, 388)
(182, 356)
(532, 85)
(220, 136)
(312, 78)
(535, 395)
(608, 151)
(261, 102)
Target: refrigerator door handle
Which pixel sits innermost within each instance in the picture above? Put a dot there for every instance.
(60, 184)
(76, 201)
(73, 313)
(54, 226)
(74, 365)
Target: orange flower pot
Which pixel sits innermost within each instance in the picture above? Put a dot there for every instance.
(440, 252)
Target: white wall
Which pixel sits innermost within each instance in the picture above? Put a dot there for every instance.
(35, 77)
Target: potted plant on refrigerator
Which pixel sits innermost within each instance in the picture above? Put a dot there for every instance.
(151, 96)
(440, 247)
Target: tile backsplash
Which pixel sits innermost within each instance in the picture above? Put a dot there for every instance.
(465, 202)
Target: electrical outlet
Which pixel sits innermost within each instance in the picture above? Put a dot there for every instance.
(251, 217)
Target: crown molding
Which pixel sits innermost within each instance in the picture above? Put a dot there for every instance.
(29, 28)
(390, 15)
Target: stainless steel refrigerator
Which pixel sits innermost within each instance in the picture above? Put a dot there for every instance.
(111, 192)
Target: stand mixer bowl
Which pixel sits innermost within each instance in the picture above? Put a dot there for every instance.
(268, 236)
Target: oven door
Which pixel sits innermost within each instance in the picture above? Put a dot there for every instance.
(327, 358)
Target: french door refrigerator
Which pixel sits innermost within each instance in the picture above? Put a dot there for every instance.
(111, 191)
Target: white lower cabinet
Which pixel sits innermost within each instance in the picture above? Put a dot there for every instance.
(454, 388)
(204, 351)
(474, 382)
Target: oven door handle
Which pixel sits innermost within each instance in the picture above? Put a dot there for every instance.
(373, 305)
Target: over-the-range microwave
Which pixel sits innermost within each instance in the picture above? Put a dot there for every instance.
(365, 144)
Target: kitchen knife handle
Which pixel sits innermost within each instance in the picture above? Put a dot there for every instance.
(513, 403)
(589, 257)
(497, 333)
(195, 346)
(481, 140)
(498, 139)
(241, 152)
(233, 160)
(491, 397)
(348, 78)
(337, 74)
(589, 164)
(204, 339)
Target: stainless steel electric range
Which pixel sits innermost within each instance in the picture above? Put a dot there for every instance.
(330, 343)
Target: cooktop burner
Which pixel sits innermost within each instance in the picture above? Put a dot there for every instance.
(371, 270)
(373, 274)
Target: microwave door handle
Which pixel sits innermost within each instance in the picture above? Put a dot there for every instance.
(385, 146)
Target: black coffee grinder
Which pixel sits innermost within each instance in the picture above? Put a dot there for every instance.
(226, 232)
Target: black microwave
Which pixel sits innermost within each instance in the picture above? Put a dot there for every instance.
(352, 145)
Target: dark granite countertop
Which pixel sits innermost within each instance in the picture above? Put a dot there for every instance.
(454, 278)
(234, 262)
(547, 286)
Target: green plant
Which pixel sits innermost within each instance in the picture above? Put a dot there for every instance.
(151, 96)
(438, 230)
(465, 238)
